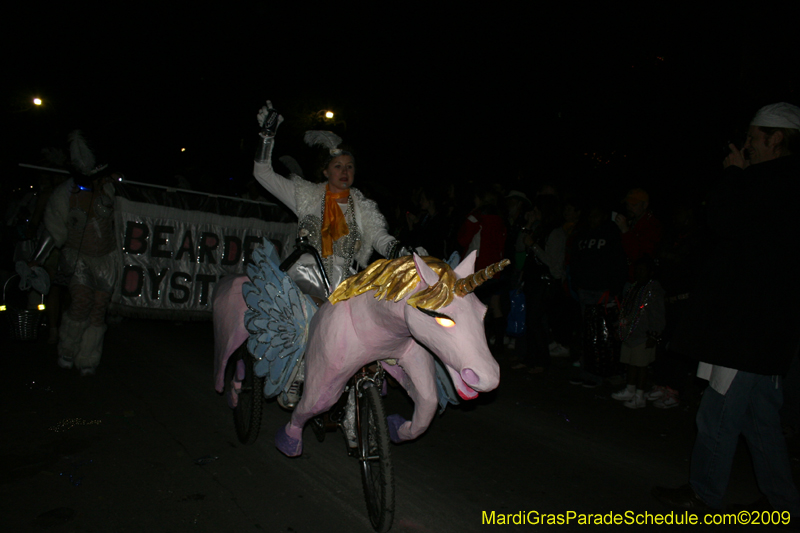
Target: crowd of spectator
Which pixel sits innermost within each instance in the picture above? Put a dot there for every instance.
(567, 252)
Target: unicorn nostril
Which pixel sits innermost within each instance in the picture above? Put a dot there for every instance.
(469, 377)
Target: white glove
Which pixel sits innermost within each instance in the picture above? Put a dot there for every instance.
(269, 120)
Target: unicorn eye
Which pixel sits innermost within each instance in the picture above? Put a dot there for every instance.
(441, 319)
(445, 322)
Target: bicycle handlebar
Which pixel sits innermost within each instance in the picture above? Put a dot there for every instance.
(304, 248)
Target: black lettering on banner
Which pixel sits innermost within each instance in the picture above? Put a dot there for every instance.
(205, 280)
(132, 281)
(186, 247)
(174, 298)
(159, 241)
(251, 242)
(231, 250)
(155, 282)
(135, 241)
(208, 244)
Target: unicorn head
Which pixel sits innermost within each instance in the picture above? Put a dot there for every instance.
(440, 311)
(454, 331)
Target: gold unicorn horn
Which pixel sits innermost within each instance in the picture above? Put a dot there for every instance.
(466, 285)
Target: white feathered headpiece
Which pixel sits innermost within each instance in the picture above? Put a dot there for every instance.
(328, 139)
(82, 157)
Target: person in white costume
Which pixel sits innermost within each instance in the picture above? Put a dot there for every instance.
(78, 219)
(335, 218)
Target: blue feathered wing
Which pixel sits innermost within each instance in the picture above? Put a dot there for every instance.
(277, 319)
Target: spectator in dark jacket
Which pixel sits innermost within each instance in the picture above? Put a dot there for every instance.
(743, 321)
(597, 259)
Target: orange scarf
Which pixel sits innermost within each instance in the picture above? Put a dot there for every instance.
(334, 224)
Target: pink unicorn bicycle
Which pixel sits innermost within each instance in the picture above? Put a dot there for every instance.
(359, 414)
(413, 318)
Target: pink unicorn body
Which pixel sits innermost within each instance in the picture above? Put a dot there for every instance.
(361, 329)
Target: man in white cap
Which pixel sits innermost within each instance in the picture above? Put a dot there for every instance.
(743, 321)
(774, 132)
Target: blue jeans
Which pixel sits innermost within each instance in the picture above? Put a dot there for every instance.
(750, 407)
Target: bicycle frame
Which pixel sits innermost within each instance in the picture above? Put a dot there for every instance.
(338, 412)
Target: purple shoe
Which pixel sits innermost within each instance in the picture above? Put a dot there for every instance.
(395, 421)
(287, 445)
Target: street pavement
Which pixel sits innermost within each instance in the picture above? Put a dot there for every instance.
(147, 445)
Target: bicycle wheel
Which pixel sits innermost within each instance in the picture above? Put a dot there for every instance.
(247, 414)
(376, 463)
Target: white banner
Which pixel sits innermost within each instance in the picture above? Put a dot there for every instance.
(171, 258)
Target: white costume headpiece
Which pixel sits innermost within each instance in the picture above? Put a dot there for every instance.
(328, 139)
(780, 115)
(83, 159)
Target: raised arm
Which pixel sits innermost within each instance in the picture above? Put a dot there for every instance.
(280, 187)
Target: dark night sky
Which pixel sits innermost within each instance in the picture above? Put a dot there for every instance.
(425, 94)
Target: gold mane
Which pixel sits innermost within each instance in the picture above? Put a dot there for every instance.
(394, 279)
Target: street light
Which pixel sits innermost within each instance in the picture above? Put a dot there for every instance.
(26, 102)
(324, 115)
(325, 118)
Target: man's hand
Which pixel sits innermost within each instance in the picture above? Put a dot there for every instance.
(622, 222)
(735, 158)
(269, 120)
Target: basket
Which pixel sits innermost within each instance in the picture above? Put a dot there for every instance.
(24, 324)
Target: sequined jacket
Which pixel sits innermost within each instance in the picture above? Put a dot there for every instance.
(305, 200)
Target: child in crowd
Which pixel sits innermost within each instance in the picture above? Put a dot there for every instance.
(640, 325)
